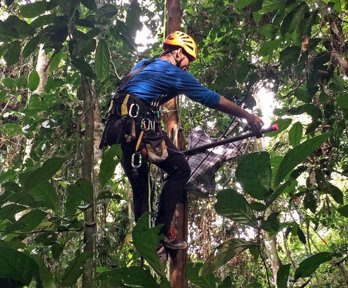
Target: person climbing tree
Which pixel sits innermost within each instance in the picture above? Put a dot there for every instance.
(134, 122)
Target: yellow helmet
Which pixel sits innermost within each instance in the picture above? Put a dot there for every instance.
(184, 41)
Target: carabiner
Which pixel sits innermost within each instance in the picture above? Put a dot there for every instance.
(136, 111)
(136, 160)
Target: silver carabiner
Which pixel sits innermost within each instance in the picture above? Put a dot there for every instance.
(136, 111)
(136, 159)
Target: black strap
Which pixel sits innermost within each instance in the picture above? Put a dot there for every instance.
(124, 81)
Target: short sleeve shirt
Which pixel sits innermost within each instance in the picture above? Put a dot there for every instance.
(163, 78)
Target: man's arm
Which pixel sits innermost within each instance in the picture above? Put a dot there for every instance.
(230, 107)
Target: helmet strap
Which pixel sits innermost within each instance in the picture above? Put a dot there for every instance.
(177, 61)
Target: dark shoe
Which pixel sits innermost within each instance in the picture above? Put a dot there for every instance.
(173, 244)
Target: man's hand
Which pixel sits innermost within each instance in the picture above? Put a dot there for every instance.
(255, 124)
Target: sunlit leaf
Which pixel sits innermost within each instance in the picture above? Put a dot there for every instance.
(308, 266)
(297, 155)
(254, 174)
(102, 61)
(33, 80)
(295, 134)
(110, 160)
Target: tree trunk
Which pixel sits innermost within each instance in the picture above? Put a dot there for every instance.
(178, 260)
(87, 173)
(270, 243)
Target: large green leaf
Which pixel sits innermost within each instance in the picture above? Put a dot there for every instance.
(102, 61)
(308, 266)
(33, 80)
(82, 190)
(83, 66)
(90, 4)
(46, 196)
(289, 56)
(295, 134)
(343, 210)
(30, 47)
(34, 9)
(43, 173)
(254, 174)
(107, 167)
(224, 253)
(146, 240)
(233, 205)
(297, 155)
(202, 281)
(45, 276)
(75, 269)
(131, 277)
(272, 5)
(282, 276)
(105, 12)
(342, 101)
(28, 221)
(20, 27)
(11, 129)
(16, 265)
(9, 211)
(12, 53)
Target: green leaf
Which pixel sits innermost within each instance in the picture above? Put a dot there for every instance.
(33, 80)
(224, 253)
(272, 5)
(12, 53)
(28, 221)
(301, 236)
(75, 269)
(46, 195)
(295, 134)
(283, 275)
(16, 265)
(297, 155)
(83, 66)
(45, 276)
(82, 190)
(308, 266)
(20, 27)
(90, 4)
(130, 277)
(32, 10)
(289, 56)
(102, 61)
(272, 223)
(254, 174)
(205, 281)
(9, 211)
(111, 158)
(335, 193)
(146, 240)
(311, 109)
(106, 11)
(343, 210)
(307, 23)
(44, 173)
(342, 101)
(286, 23)
(11, 129)
(233, 205)
(30, 47)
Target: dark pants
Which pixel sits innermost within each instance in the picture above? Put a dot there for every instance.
(173, 191)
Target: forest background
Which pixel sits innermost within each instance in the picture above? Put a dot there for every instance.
(278, 217)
